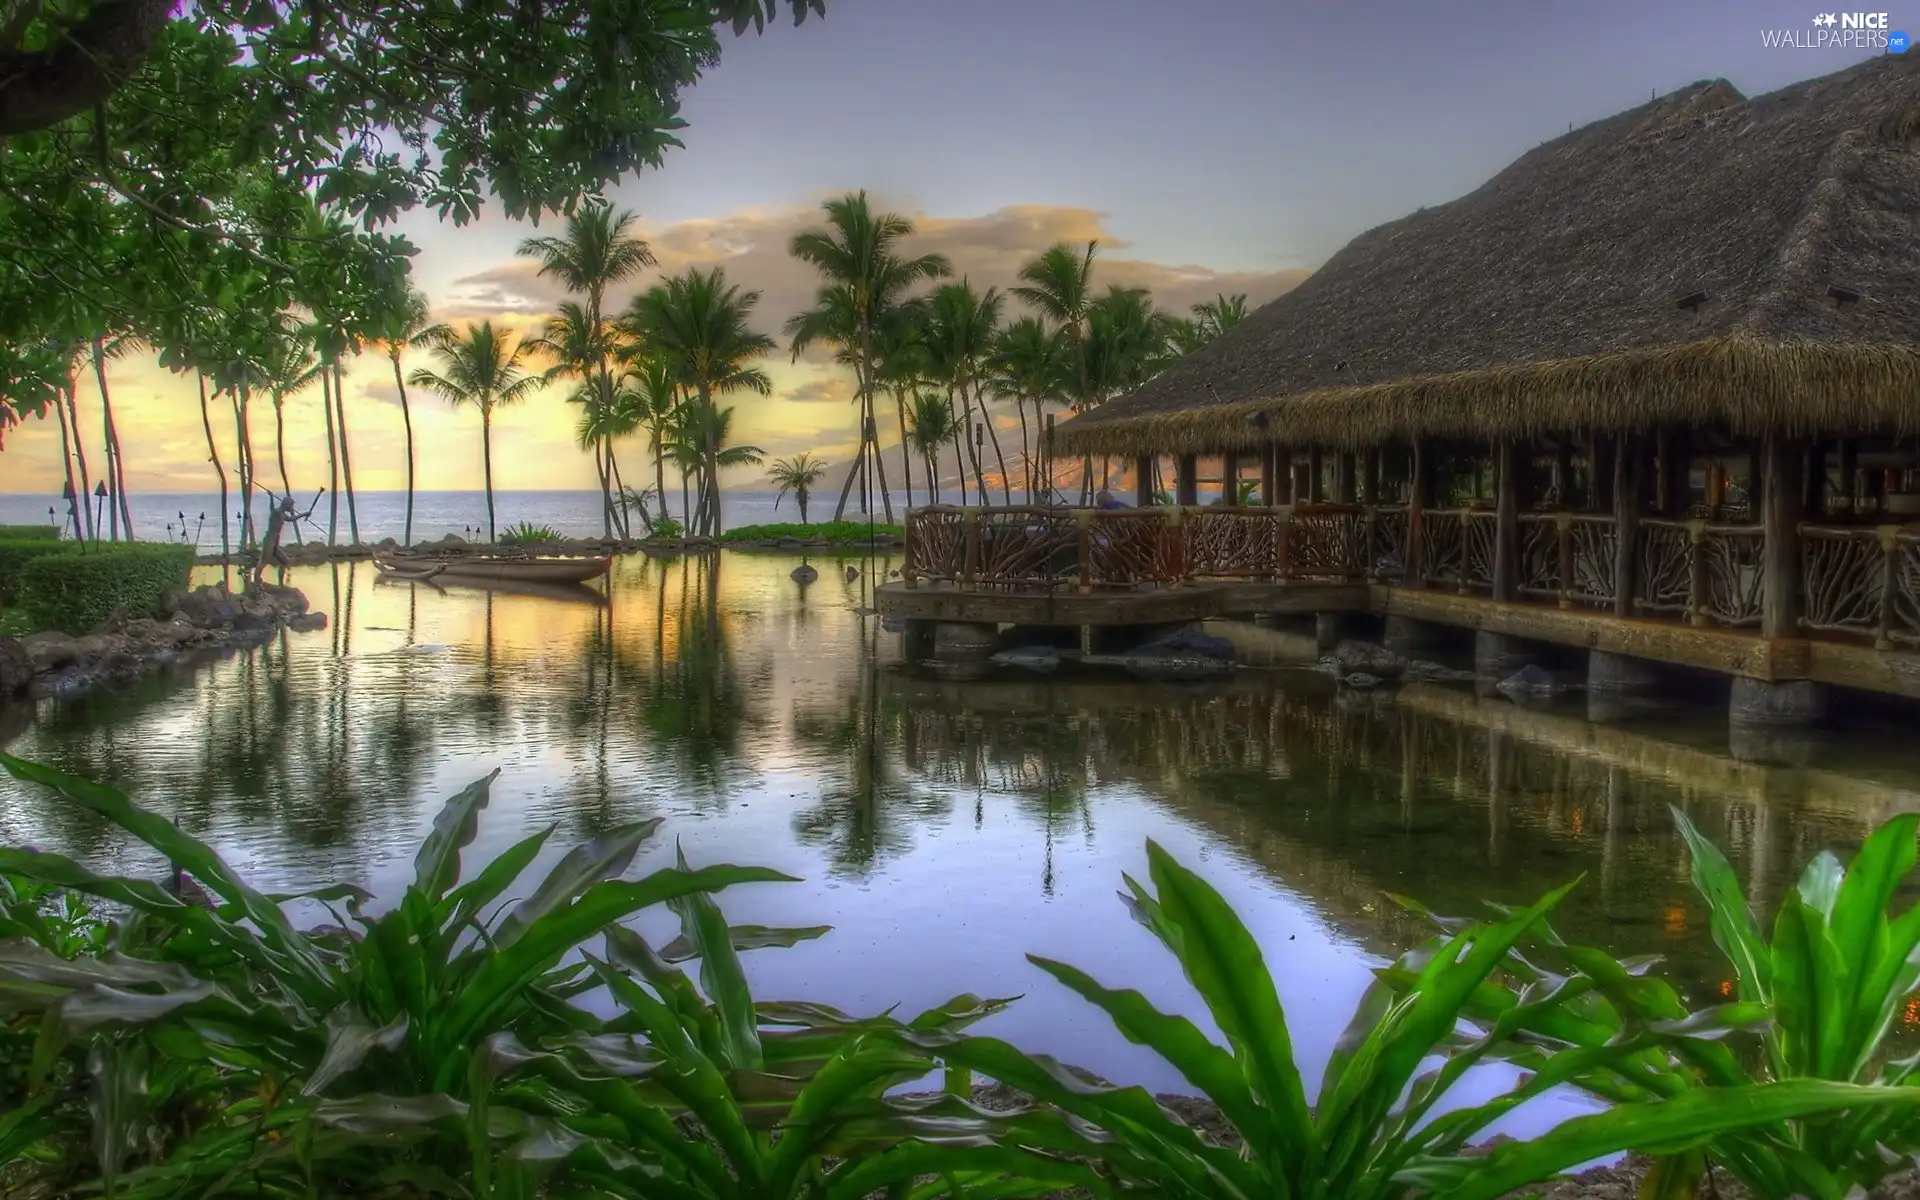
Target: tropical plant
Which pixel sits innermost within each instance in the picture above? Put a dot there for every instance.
(1379, 1128)
(1058, 284)
(407, 325)
(700, 327)
(959, 334)
(481, 369)
(900, 364)
(526, 531)
(797, 475)
(1028, 367)
(931, 425)
(368, 1053)
(865, 279)
(1829, 984)
(596, 252)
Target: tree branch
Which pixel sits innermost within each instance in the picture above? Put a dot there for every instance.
(77, 71)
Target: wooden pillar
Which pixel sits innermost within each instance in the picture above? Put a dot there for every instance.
(1601, 461)
(1676, 455)
(1849, 472)
(1780, 599)
(1143, 480)
(1419, 492)
(1269, 475)
(1563, 474)
(1628, 478)
(1283, 472)
(1506, 541)
(1186, 480)
(1373, 474)
(1230, 478)
(1316, 477)
(1663, 477)
(1345, 479)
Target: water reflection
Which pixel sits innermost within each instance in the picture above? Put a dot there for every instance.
(946, 827)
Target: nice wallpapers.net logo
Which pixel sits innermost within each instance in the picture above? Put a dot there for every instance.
(1840, 31)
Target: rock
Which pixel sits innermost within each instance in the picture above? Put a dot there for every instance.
(96, 648)
(49, 651)
(788, 543)
(1531, 682)
(1162, 666)
(387, 543)
(1363, 681)
(307, 622)
(206, 607)
(16, 668)
(1365, 658)
(803, 574)
(1189, 642)
(1043, 659)
(893, 624)
(287, 601)
(853, 573)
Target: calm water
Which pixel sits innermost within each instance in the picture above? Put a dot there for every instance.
(157, 516)
(943, 828)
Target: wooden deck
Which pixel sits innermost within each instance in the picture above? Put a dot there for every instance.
(1693, 595)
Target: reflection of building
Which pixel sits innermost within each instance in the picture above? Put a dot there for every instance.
(1650, 390)
(1435, 795)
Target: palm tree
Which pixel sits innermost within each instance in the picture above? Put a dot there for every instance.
(581, 347)
(406, 326)
(931, 427)
(900, 364)
(698, 324)
(1059, 286)
(1126, 345)
(479, 368)
(1220, 314)
(797, 475)
(865, 279)
(118, 511)
(959, 334)
(1029, 364)
(655, 399)
(596, 252)
(290, 366)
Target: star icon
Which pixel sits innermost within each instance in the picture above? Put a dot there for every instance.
(1825, 19)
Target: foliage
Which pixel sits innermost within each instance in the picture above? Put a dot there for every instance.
(78, 591)
(527, 531)
(372, 1050)
(185, 171)
(1829, 985)
(14, 623)
(798, 475)
(1379, 1128)
(848, 532)
(15, 533)
(482, 369)
(16, 553)
(667, 527)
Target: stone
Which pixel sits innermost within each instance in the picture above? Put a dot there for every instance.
(1189, 641)
(1365, 658)
(1621, 673)
(803, 573)
(207, 607)
(1330, 628)
(307, 622)
(16, 668)
(1363, 681)
(1497, 656)
(1043, 659)
(1789, 703)
(1409, 637)
(958, 642)
(49, 651)
(1165, 666)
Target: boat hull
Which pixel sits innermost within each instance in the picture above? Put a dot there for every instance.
(495, 570)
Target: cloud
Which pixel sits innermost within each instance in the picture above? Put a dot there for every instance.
(820, 391)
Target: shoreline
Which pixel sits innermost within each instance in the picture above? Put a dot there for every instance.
(307, 554)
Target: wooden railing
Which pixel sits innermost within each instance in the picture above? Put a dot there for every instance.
(1854, 582)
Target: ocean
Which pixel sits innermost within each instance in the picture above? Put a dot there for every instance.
(195, 517)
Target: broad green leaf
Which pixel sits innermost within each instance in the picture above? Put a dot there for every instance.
(465, 901)
(704, 926)
(350, 1038)
(747, 937)
(1674, 1177)
(116, 1101)
(604, 857)
(436, 865)
(1734, 929)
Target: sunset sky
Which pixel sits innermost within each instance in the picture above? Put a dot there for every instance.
(1210, 145)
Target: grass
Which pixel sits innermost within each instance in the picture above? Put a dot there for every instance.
(824, 531)
(14, 623)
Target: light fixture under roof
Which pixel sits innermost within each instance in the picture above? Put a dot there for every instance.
(1843, 295)
(1691, 301)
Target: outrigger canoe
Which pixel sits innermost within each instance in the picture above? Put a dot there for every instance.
(500, 569)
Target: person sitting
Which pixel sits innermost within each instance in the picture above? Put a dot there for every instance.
(1104, 499)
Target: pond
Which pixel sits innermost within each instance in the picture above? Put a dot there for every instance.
(944, 828)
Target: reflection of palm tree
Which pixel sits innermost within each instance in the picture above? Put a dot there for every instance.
(865, 814)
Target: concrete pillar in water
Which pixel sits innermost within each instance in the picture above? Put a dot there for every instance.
(1619, 685)
(957, 641)
(1496, 656)
(1329, 628)
(1410, 638)
(1790, 703)
(916, 640)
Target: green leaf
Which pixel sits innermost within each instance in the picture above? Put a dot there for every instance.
(350, 1038)
(603, 857)
(704, 927)
(747, 937)
(436, 865)
(469, 898)
(1734, 929)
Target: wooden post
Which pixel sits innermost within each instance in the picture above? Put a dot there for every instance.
(1186, 480)
(1850, 473)
(1083, 520)
(1889, 580)
(1373, 476)
(1316, 477)
(909, 574)
(1563, 538)
(1269, 475)
(1676, 458)
(1563, 474)
(1143, 481)
(1283, 468)
(1663, 475)
(1780, 599)
(1600, 462)
(1414, 576)
(1230, 479)
(1506, 537)
(1696, 573)
(971, 562)
(1628, 476)
(1344, 479)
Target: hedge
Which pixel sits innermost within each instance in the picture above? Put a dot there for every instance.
(17, 552)
(17, 533)
(75, 592)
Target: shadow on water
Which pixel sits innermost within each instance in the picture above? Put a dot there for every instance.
(945, 827)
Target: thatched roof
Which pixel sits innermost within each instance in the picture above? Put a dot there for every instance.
(1549, 299)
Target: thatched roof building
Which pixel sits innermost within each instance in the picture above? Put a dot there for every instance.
(1701, 259)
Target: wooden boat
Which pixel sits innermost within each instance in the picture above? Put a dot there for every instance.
(498, 568)
(570, 593)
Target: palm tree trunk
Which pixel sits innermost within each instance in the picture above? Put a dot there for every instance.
(213, 454)
(960, 461)
(1026, 445)
(116, 467)
(712, 464)
(80, 456)
(660, 471)
(879, 464)
(906, 455)
(346, 454)
(686, 505)
(280, 441)
(406, 418)
(333, 460)
(66, 468)
(972, 437)
(486, 462)
(619, 489)
(1006, 483)
(243, 398)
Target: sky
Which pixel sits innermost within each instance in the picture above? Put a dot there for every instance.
(1208, 145)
